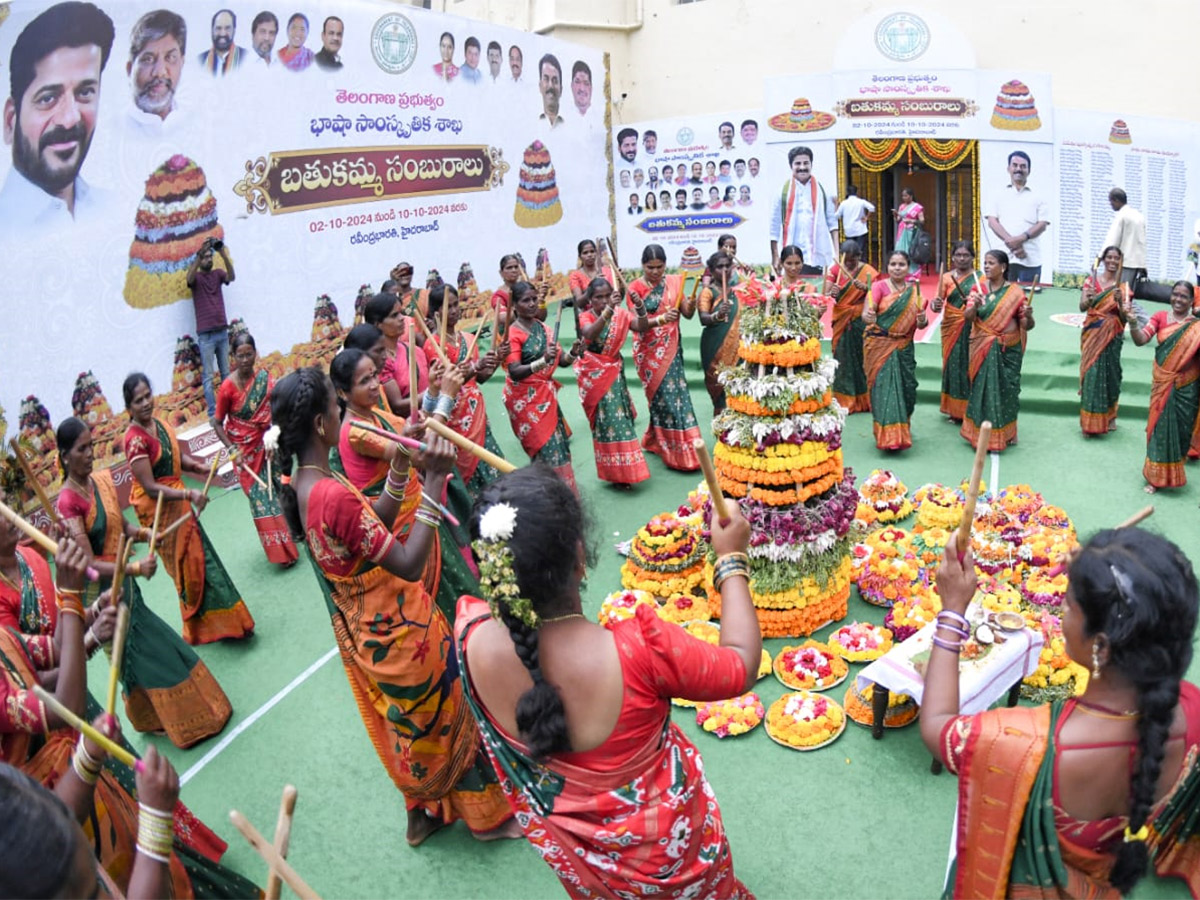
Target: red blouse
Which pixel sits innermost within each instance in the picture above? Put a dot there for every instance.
(344, 534)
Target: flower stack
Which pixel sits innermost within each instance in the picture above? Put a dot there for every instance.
(621, 605)
(937, 506)
(729, 718)
(667, 557)
(883, 498)
(38, 443)
(1057, 675)
(89, 404)
(779, 453)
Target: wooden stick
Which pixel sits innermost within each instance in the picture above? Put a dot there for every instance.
(36, 485)
(429, 337)
(710, 476)
(964, 527)
(122, 557)
(612, 252)
(118, 656)
(212, 470)
(272, 857)
(465, 443)
(413, 385)
(158, 505)
(237, 461)
(558, 322)
(391, 436)
(31, 532)
(270, 478)
(111, 747)
(283, 835)
(1067, 558)
(496, 323)
(1139, 516)
(175, 525)
(474, 339)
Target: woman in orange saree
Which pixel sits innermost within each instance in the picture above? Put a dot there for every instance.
(166, 685)
(243, 417)
(659, 358)
(953, 289)
(851, 282)
(892, 316)
(590, 268)
(1175, 391)
(600, 374)
(211, 607)
(999, 316)
(1080, 798)
(395, 644)
(1102, 299)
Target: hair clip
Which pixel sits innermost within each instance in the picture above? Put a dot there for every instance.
(1124, 585)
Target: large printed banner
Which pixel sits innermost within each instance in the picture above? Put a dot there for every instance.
(684, 182)
(322, 146)
(1155, 161)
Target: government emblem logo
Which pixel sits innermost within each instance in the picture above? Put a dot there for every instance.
(684, 136)
(902, 36)
(394, 43)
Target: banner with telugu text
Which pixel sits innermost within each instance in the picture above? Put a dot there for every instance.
(323, 147)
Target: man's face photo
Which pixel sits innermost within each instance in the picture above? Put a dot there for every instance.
(638, 177)
(749, 133)
(515, 61)
(263, 38)
(652, 173)
(50, 127)
(681, 199)
(624, 176)
(494, 61)
(739, 169)
(472, 55)
(802, 168)
(222, 31)
(726, 134)
(650, 142)
(155, 74)
(1018, 168)
(331, 36)
(550, 84)
(697, 171)
(629, 147)
(581, 90)
(754, 168)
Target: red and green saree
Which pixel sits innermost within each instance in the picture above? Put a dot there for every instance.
(600, 373)
(891, 364)
(246, 416)
(1100, 359)
(850, 380)
(995, 368)
(956, 345)
(532, 402)
(211, 607)
(659, 359)
(1174, 399)
(719, 341)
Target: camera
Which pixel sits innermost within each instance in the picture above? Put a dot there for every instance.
(213, 244)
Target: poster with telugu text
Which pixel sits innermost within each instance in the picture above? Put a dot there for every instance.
(322, 147)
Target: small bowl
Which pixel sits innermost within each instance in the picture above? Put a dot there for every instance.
(1009, 621)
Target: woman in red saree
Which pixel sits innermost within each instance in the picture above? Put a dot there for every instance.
(1175, 391)
(659, 358)
(211, 606)
(1102, 299)
(395, 644)
(851, 280)
(243, 417)
(600, 373)
(893, 315)
(953, 289)
(530, 389)
(166, 685)
(386, 312)
(576, 718)
(469, 416)
(34, 740)
(1000, 317)
(590, 268)
(1080, 798)
(512, 270)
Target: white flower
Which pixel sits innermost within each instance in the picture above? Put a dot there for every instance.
(497, 522)
(271, 438)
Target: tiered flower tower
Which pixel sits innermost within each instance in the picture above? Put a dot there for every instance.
(779, 453)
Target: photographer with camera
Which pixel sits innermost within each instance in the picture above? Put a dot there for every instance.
(212, 328)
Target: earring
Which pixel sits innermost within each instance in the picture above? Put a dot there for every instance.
(321, 429)
(1096, 660)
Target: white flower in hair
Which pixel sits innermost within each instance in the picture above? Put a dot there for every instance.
(497, 522)
(271, 438)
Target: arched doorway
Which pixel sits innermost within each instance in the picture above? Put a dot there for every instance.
(943, 174)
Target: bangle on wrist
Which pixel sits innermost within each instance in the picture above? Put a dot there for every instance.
(445, 406)
(156, 833)
(947, 645)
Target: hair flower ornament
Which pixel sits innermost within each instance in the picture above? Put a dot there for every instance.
(271, 438)
(497, 522)
(495, 559)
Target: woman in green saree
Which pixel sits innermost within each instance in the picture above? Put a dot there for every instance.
(1102, 300)
(720, 314)
(892, 316)
(1079, 798)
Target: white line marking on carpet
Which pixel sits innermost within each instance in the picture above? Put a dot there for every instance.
(995, 473)
(254, 717)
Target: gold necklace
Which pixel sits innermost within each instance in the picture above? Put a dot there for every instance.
(80, 489)
(563, 618)
(324, 472)
(1100, 713)
(12, 584)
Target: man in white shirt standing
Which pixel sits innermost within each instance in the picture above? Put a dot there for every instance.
(1019, 217)
(855, 213)
(1127, 232)
(804, 214)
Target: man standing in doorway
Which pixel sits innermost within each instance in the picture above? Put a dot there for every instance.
(1018, 217)
(805, 215)
(212, 327)
(1128, 232)
(855, 214)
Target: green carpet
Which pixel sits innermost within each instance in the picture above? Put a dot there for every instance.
(861, 818)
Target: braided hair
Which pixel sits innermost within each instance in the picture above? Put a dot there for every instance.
(551, 526)
(1139, 590)
(341, 373)
(297, 399)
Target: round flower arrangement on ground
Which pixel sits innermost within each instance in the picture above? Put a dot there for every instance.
(681, 608)
(929, 544)
(883, 498)
(908, 616)
(1054, 518)
(729, 718)
(805, 721)
(666, 557)
(706, 631)
(891, 571)
(1042, 590)
(810, 666)
(1057, 675)
(937, 506)
(996, 541)
(860, 642)
(997, 596)
(901, 709)
(621, 605)
(1020, 501)
(1046, 547)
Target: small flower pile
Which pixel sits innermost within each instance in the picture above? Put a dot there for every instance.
(667, 557)
(705, 631)
(860, 642)
(805, 721)
(995, 541)
(732, 717)
(1020, 501)
(937, 506)
(883, 498)
(681, 608)
(1042, 590)
(810, 666)
(929, 545)
(997, 596)
(1053, 518)
(621, 605)
(1046, 547)
(908, 616)
(891, 570)
(901, 709)
(1057, 675)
